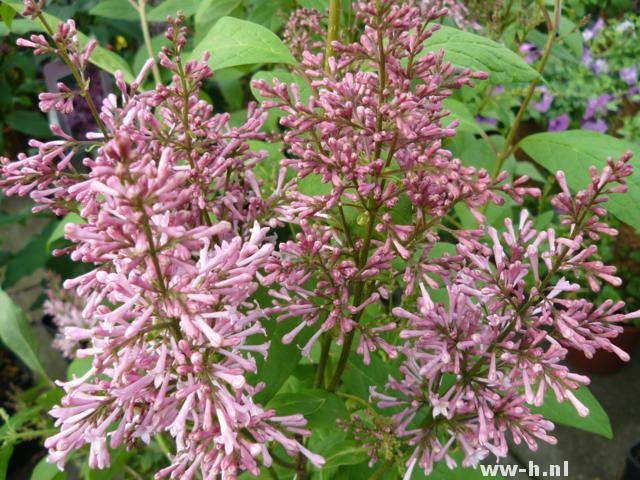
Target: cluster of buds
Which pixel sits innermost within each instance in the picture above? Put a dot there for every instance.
(364, 263)
(372, 131)
(171, 211)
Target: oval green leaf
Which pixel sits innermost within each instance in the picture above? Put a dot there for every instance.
(16, 334)
(574, 151)
(565, 414)
(234, 42)
(468, 50)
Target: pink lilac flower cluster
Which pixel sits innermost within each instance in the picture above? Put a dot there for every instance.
(456, 10)
(171, 209)
(510, 314)
(304, 31)
(374, 135)
(473, 363)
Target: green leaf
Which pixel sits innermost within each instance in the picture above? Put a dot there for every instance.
(169, 8)
(16, 334)
(565, 414)
(468, 50)
(282, 359)
(346, 452)
(78, 367)
(7, 13)
(572, 37)
(358, 377)
(31, 257)
(142, 54)
(115, 9)
(58, 232)
(304, 402)
(6, 451)
(29, 122)
(323, 421)
(268, 13)
(101, 57)
(574, 151)
(234, 42)
(459, 111)
(47, 471)
(268, 169)
(210, 11)
(320, 5)
(283, 76)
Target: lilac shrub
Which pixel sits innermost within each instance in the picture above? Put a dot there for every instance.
(180, 236)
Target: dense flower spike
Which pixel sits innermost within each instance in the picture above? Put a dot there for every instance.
(374, 135)
(372, 129)
(510, 315)
(170, 210)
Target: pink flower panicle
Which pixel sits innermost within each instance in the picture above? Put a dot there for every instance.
(456, 10)
(304, 31)
(171, 209)
(510, 315)
(372, 131)
(364, 262)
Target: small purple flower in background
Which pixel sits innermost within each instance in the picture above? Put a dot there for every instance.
(559, 123)
(600, 66)
(497, 90)
(531, 52)
(597, 105)
(487, 120)
(545, 101)
(629, 75)
(597, 125)
(590, 33)
(624, 26)
(586, 57)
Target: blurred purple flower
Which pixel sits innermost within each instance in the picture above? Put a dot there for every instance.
(545, 101)
(629, 76)
(597, 105)
(597, 125)
(559, 123)
(590, 33)
(498, 89)
(600, 66)
(586, 57)
(487, 120)
(624, 26)
(531, 52)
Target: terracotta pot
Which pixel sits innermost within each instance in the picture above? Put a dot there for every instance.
(603, 361)
(632, 468)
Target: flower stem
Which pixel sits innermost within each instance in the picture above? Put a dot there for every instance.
(322, 364)
(82, 85)
(333, 31)
(371, 208)
(379, 473)
(509, 146)
(142, 13)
